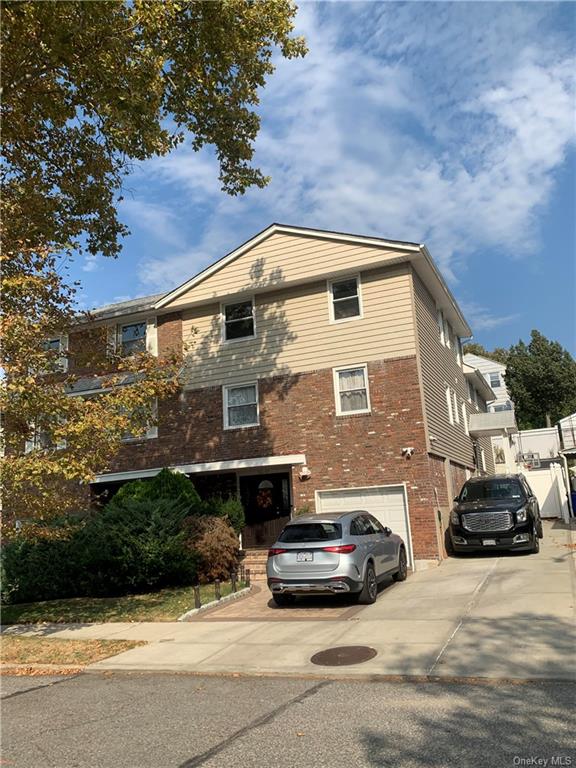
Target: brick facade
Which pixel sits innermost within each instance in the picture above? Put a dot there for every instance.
(297, 415)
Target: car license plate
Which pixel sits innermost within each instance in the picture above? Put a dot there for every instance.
(489, 542)
(304, 557)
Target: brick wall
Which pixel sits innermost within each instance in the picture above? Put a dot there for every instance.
(169, 333)
(297, 415)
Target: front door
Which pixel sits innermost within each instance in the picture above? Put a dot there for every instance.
(266, 501)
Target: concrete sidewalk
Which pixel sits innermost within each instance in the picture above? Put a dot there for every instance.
(509, 616)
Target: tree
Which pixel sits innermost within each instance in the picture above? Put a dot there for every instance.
(90, 88)
(499, 354)
(541, 380)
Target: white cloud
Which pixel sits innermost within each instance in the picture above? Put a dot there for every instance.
(155, 219)
(483, 319)
(414, 123)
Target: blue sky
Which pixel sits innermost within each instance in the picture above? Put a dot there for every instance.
(451, 124)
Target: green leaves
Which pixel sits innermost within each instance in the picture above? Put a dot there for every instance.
(541, 379)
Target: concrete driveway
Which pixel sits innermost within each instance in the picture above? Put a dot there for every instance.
(507, 616)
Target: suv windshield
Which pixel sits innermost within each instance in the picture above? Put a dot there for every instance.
(492, 489)
(303, 532)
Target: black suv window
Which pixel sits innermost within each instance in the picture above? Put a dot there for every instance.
(376, 524)
(299, 533)
(496, 488)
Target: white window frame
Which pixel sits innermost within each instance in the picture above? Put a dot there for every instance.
(455, 402)
(336, 383)
(223, 306)
(448, 334)
(472, 393)
(330, 289)
(464, 417)
(449, 404)
(440, 318)
(458, 350)
(238, 385)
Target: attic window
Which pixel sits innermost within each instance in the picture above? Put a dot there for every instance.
(239, 320)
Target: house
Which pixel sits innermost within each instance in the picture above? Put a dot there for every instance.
(493, 372)
(325, 371)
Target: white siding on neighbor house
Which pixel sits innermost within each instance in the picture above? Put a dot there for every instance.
(486, 367)
(282, 260)
(294, 333)
(444, 385)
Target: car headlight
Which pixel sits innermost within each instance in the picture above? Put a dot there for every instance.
(522, 515)
(454, 519)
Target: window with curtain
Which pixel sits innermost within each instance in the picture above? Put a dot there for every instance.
(241, 406)
(345, 299)
(494, 379)
(239, 320)
(352, 390)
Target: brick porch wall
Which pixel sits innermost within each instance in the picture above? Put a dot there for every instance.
(297, 415)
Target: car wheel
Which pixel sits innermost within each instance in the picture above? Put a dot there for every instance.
(370, 589)
(402, 571)
(535, 542)
(283, 600)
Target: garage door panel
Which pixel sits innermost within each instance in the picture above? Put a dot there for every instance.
(387, 504)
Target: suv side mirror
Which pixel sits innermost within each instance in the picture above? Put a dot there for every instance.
(387, 531)
(456, 499)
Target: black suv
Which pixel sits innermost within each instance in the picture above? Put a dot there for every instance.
(497, 512)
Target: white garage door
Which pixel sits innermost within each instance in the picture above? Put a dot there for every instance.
(387, 504)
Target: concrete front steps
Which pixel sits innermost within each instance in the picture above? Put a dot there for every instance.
(255, 560)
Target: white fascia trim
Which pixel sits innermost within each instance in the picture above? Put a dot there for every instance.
(210, 466)
(271, 230)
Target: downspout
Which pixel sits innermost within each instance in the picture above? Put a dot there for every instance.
(566, 475)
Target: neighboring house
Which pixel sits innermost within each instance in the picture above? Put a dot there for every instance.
(493, 372)
(325, 372)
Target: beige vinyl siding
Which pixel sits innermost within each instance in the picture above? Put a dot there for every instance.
(282, 260)
(440, 368)
(294, 333)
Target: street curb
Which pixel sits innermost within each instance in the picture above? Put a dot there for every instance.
(342, 677)
(41, 669)
(215, 603)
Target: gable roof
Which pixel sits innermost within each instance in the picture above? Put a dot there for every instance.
(416, 253)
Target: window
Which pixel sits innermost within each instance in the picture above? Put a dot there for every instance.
(507, 406)
(239, 320)
(458, 350)
(300, 533)
(57, 348)
(449, 404)
(241, 406)
(456, 413)
(345, 299)
(448, 335)
(361, 526)
(141, 417)
(494, 379)
(471, 393)
(441, 325)
(131, 339)
(351, 386)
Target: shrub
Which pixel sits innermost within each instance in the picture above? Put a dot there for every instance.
(38, 570)
(134, 545)
(165, 485)
(230, 509)
(216, 543)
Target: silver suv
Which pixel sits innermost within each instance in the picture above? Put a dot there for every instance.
(348, 552)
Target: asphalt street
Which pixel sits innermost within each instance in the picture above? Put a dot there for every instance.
(116, 720)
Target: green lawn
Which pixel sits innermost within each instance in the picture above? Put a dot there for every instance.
(164, 605)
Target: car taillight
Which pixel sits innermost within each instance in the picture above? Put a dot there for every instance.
(273, 551)
(342, 549)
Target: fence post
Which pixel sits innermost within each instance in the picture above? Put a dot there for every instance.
(217, 594)
(247, 577)
(233, 581)
(197, 602)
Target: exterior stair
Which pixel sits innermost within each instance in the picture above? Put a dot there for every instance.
(255, 560)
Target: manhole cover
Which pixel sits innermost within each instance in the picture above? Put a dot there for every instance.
(344, 655)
